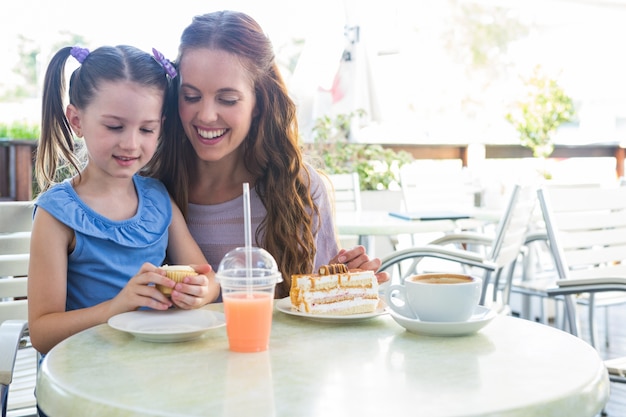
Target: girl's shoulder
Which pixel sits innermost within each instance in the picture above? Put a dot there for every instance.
(154, 199)
(153, 217)
(59, 195)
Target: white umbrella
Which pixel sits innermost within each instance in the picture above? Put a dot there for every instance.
(334, 74)
(353, 85)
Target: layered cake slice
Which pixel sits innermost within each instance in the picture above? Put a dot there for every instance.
(335, 290)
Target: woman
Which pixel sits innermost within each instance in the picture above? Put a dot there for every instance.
(231, 121)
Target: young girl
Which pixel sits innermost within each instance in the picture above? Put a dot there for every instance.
(99, 236)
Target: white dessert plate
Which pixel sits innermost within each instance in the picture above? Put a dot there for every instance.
(284, 305)
(481, 317)
(174, 325)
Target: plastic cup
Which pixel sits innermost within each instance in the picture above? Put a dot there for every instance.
(248, 295)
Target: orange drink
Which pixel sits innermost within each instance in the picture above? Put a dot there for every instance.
(248, 320)
(248, 277)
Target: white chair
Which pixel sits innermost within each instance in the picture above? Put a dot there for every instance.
(18, 359)
(586, 231)
(16, 216)
(537, 272)
(346, 191)
(12, 358)
(345, 194)
(594, 279)
(500, 251)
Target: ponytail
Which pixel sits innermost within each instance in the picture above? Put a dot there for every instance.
(56, 147)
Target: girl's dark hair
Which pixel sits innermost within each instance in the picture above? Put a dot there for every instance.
(57, 148)
(271, 149)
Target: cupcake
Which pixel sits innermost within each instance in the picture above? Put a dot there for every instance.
(175, 273)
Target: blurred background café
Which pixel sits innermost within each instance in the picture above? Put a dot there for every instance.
(453, 101)
(444, 81)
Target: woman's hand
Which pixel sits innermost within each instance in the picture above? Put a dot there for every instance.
(356, 258)
(197, 290)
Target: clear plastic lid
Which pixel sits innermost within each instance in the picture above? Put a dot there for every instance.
(248, 263)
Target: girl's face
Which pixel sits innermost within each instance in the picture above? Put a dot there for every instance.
(121, 127)
(216, 102)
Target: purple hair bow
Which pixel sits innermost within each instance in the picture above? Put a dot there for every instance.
(79, 53)
(165, 63)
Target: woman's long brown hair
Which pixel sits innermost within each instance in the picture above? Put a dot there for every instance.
(271, 150)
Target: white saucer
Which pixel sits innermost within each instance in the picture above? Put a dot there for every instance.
(481, 317)
(174, 325)
(284, 305)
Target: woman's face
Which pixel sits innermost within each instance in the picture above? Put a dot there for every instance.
(216, 102)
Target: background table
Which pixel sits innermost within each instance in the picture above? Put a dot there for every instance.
(512, 367)
(367, 224)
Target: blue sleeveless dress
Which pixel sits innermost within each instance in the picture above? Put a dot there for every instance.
(108, 253)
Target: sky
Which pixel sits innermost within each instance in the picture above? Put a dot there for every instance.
(582, 46)
(142, 23)
(145, 24)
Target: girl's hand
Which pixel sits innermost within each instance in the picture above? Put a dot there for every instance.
(196, 291)
(139, 291)
(356, 258)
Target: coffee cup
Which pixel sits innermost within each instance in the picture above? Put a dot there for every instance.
(435, 297)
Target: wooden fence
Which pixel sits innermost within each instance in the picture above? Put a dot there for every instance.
(16, 169)
(17, 158)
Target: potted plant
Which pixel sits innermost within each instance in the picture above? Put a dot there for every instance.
(538, 116)
(378, 167)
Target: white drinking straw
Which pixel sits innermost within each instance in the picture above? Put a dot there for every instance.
(248, 232)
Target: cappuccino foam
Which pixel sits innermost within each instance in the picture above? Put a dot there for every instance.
(442, 279)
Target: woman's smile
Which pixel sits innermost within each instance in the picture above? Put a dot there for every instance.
(211, 134)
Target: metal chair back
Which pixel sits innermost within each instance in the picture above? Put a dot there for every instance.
(490, 253)
(586, 232)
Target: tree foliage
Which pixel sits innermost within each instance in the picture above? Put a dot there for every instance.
(537, 117)
(377, 167)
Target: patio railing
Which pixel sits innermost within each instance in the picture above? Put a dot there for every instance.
(17, 158)
(16, 169)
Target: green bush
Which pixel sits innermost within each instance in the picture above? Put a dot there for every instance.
(20, 130)
(378, 167)
(537, 117)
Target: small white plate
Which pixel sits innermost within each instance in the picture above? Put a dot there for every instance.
(481, 317)
(174, 325)
(284, 305)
